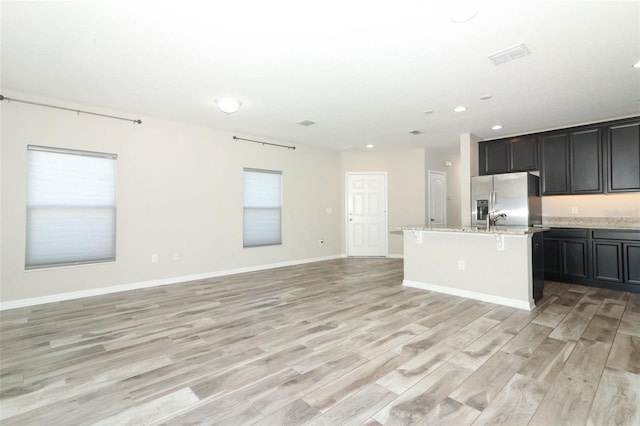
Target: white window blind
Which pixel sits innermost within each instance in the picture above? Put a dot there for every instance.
(262, 208)
(71, 207)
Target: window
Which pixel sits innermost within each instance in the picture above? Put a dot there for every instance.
(71, 207)
(262, 208)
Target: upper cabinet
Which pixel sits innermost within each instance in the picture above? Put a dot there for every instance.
(508, 155)
(493, 157)
(592, 159)
(623, 154)
(572, 162)
(554, 150)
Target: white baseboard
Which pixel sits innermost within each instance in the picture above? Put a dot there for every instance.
(153, 283)
(514, 303)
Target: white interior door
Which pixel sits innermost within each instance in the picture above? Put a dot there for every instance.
(437, 210)
(367, 214)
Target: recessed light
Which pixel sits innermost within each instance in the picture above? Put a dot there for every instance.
(485, 97)
(429, 111)
(496, 127)
(636, 65)
(463, 11)
(306, 123)
(415, 132)
(369, 146)
(460, 108)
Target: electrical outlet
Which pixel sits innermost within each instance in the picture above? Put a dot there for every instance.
(154, 258)
(461, 265)
(574, 209)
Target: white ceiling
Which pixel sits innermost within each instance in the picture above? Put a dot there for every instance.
(364, 71)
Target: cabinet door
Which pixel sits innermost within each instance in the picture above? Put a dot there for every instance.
(607, 261)
(494, 157)
(554, 175)
(631, 263)
(585, 153)
(574, 258)
(523, 154)
(623, 152)
(552, 259)
(537, 259)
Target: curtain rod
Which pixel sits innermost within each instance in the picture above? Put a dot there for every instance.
(2, 98)
(263, 143)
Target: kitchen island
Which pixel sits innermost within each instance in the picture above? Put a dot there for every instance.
(502, 265)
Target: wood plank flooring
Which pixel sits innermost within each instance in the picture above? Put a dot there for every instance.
(338, 342)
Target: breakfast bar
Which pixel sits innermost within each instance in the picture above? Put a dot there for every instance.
(502, 265)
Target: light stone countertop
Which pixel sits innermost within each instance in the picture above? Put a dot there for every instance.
(507, 230)
(591, 222)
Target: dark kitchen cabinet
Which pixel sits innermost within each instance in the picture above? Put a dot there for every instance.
(623, 157)
(616, 256)
(608, 258)
(508, 155)
(574, 258)
(493, 157)
(591, 159)
(607, 261)
(585, 156)
(554, 156)
(552, 259)
(523, 154)
(572, 162)
(538, 265)
(631, 262)
(566, 252)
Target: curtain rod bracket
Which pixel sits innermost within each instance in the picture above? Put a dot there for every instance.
(78, 111)
(235, 138)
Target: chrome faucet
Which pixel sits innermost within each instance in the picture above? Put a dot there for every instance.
(492, 219)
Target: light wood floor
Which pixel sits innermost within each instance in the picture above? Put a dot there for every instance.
(330, 343)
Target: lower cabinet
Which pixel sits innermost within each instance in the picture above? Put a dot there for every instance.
(598, 257)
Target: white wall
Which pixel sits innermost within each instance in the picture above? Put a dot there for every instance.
(468, 168)
(179, 191)
(435, 159)
(406, 186)
(592, 205)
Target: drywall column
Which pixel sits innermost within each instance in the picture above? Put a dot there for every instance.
(468, 168)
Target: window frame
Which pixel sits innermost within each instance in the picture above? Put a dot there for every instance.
(245, 207)
(30, 266)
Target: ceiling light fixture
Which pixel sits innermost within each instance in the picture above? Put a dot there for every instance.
(637, 65)
(415, 132)
(369, 146)
(460, 108)
(496, 127)
(228, 105)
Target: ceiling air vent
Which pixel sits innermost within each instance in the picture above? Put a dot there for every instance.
(509, 54)
(306, 123)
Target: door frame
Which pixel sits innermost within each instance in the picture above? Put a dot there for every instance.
(443, 175)
(346, 209)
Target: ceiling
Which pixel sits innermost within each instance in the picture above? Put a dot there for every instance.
(364, 71)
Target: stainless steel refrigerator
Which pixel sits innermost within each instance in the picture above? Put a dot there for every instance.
(511, 199)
